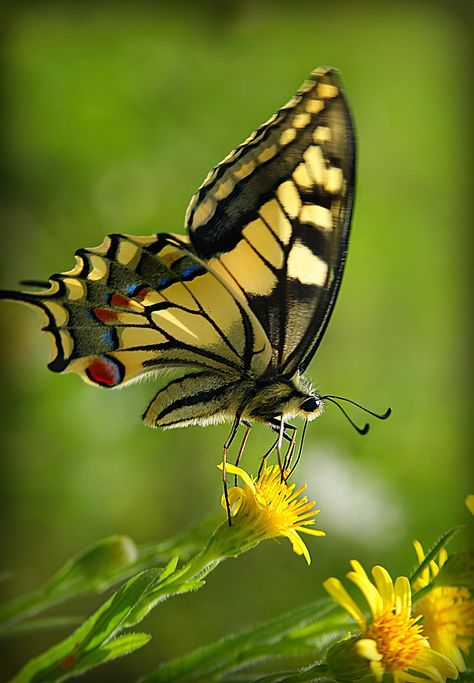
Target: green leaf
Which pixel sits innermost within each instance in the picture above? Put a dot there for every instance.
(458, 570)
(113, 649)
(64, 659)
(439, 545)
(316, 672)
(113, 614)
(161, 592)
(294, 632)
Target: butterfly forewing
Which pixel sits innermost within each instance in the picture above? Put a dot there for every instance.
(273, 218)
(141, 304)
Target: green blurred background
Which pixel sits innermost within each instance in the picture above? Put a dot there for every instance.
(112, 116)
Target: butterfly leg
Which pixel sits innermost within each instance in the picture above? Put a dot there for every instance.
(275, 426)
(291, 447)
(227, 445)
(242, 445)
(281, 431)
(264, 457)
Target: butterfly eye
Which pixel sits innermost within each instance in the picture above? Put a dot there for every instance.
(311, 404)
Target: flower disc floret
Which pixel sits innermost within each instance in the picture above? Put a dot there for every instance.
(392, 639)
(447, 611)
(268, 507)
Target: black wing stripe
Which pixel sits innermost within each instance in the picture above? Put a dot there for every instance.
(195, 399)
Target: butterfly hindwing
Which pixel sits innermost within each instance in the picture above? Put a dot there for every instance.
(136, 305)
(273, 218)
(199, 397)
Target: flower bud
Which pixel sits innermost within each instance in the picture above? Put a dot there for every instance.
(345, 663)
(95, 566)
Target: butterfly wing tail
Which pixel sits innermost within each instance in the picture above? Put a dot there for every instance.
(55, 318)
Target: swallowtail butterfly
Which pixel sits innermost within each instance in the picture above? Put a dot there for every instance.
(240, 304)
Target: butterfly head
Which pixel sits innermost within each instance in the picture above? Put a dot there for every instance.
(312, 407)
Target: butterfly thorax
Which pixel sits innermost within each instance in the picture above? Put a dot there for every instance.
(273, 396)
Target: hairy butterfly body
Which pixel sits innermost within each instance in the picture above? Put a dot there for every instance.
(239, 306)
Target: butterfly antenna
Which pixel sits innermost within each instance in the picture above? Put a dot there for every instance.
(300, 450)
(379, 416)
(362, 430)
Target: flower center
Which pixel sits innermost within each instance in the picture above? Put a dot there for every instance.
(398, 639)
(448, 616)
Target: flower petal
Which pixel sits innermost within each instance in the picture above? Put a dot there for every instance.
(232, 469)
(337, 591)
(402, 594)
(367, 588)
(367, 648)
(384, 583)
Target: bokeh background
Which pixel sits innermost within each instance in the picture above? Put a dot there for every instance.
(112, 114)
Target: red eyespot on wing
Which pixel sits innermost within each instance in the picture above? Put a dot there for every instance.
(104, 315)
(141, 294)
(120, 301)
(105, 371)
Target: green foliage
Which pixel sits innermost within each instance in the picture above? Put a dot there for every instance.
(433, 553)
(313, 638)
(458, 570)
(93, 643)
(101, 565)
(302, 633)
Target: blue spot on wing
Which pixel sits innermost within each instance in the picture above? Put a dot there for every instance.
(164, 281)
(192, 269)
(133, 288)
(110, 339)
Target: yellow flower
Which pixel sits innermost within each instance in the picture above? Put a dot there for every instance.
(268, 507)
(447, 611)
(392, 640)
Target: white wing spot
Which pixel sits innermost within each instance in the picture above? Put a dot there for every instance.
(316, 215)
(302, 177)
(306, 267)
(315, 160)
(334, 180)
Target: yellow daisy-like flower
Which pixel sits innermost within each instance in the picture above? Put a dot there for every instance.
(392, 640)
(447, 611)
(268, 507)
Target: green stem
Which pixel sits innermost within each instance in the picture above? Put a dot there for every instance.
(26, 606)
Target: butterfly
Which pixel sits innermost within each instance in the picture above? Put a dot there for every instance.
(239, 305)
